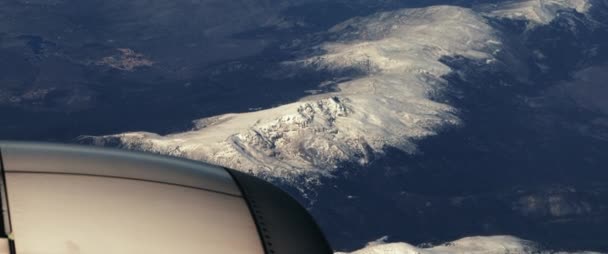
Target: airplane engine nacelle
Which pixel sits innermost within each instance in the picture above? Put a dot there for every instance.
(60, 199)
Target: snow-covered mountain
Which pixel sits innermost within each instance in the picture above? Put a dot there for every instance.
(475, 245)
(535, 11)
(392, 101)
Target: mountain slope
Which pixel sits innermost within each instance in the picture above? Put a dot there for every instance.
(391, 101)
(485, 245)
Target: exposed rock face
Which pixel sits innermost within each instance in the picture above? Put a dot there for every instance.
(127, 60)
(556, 203)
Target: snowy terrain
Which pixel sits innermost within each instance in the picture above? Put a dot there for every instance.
(475, 245)
(535, 11)
(392, 104)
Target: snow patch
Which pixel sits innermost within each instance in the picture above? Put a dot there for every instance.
(536, 11)
(473, 245)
